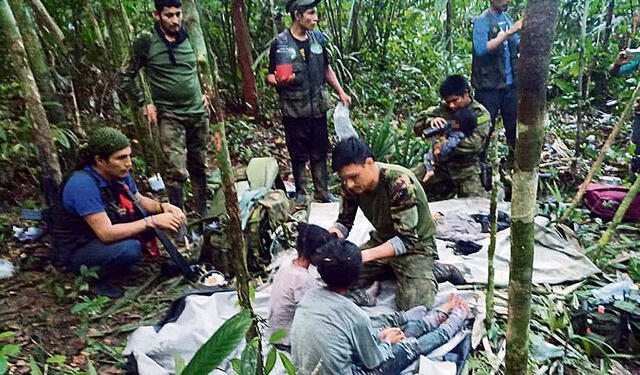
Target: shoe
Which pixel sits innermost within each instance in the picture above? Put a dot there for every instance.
(448, 272)
(106, 289)
(320, 182)
(635, 166)
(300, 198)
(199, 190)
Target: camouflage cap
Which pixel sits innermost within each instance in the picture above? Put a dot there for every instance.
(298, 4)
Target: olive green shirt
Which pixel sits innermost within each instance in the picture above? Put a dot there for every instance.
(174, 88)
(397, 208)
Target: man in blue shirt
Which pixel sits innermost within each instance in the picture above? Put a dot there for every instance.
(95, 222)
(495, 55)
(625, 64)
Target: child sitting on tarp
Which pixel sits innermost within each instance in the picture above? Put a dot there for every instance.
(293, 280)
(332, 335)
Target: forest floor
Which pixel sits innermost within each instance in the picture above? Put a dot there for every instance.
(65, 331)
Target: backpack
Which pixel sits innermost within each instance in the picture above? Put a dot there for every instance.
(603, 201)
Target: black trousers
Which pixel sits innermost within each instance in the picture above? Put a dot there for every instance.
(307, 138)
(504, 101)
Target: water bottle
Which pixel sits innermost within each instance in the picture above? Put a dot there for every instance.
(284, 58)
(342, 123)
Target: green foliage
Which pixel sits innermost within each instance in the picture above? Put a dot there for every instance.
(7, 351)
(220, 345)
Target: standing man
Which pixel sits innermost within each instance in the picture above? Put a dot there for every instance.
(402, 246)
(303, 96)
(455, 163)
(177, 104)
(95, 223)
(625, 64)
(495, 56)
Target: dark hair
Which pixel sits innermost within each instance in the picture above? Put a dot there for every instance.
(349, 151)
(453, 85)
(341, 263)
(161, 4)
(466, 119)
(310, 238)
(300, 9)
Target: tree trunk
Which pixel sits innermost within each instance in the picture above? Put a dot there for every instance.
(38, 61)
(595, 167)
(243, 43)
(90, 15)
(581, 91)
(493, 221)
(608, 21)
(51, 174)
(617, 218)
(447, 26)
(537, 38)
(196, 37)
(48, 22)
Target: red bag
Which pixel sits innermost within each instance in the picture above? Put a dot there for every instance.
(603, 201)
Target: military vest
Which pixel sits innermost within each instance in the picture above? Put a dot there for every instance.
(70, 231)
(306, 96)
(488, 71)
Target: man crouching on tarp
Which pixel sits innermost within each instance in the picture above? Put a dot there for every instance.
(402, 247)
(332, 335)
(95, 223)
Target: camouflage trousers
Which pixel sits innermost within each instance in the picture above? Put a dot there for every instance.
(184, 146)
(446, 182)
(412, 272)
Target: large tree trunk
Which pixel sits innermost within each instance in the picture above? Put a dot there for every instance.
(51, 175)
(38, 61)
(537, 37)
(48, 22)
(243, 43)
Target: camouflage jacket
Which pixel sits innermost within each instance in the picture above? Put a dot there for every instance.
(467, 153)
(397, 208)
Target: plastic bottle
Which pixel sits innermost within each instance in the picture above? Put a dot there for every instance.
(342, 123)
(284, 58)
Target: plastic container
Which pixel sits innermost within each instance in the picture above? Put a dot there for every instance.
(156, 183)
(6, 269)
(342, 123)
(213, 278)
(284, 60)
(614, 291)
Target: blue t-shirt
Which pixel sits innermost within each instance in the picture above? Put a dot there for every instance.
(480, 39)
(81, 194)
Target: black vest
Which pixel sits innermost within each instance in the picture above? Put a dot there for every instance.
(306, 96)
(70, 231)
(488, 71)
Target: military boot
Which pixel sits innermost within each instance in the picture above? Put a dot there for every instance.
(199, 190)
(176, 198)
(320, 182)
(447, 272)
(297, 167)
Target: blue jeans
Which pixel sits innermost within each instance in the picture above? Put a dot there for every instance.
(404, 353)
(113, 258)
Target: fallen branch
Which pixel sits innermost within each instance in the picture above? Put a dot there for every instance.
(598, 163)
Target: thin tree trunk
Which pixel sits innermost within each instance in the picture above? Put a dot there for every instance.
(581, 91)
(617, 218)
(91, 16)
(47, 21)
(537, 37)
(447, 26)
(493, 228)
(38, 62)
(608, 22)
(595, 167)
(51, 174)
(243, 43)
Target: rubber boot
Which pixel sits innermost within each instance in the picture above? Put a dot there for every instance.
(297, 167)
(448, 272)
(176, 198)
(199, 190)
(320, 182)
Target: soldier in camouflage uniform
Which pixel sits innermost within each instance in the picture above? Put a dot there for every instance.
(622, 65)
(402, 245)
(461, 168)
(177, 104)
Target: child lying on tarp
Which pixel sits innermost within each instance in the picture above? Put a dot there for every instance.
(332, 335)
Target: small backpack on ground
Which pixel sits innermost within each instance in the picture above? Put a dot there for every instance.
(603, 201)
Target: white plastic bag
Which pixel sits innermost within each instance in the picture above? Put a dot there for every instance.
(342, 123)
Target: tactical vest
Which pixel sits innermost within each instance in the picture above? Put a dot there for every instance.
(70, 231)
(488, 71)
(306, 96)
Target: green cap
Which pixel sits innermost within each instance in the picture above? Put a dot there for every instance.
(106, 141)
(297, 4)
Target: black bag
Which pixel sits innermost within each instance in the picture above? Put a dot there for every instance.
(486, 175)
